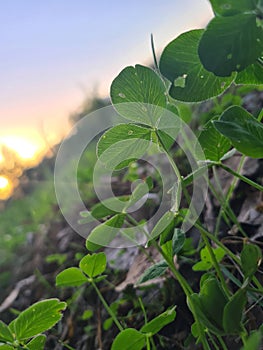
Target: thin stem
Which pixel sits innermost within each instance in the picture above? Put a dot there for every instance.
(143, 310)
(183, 283)
(241, 177)
(154, 54)
(215, 262)
(148, 345)
(110, 312)
(222, 343)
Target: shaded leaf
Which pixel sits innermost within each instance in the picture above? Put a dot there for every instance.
(154, 271)
(253, 342)
(103, 234)
(243, 130)
(213, 143)
(252, 75)
(251, 257)
(178, 240)
(221, 49)
(233, 312)
(232, 7)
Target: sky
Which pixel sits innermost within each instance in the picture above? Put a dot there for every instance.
(54, 53)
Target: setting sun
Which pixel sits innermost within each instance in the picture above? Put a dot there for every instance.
(6, 188)
(3, 182)
(26, 149)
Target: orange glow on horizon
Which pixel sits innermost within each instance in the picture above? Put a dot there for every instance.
(6, 188)
(26, 148)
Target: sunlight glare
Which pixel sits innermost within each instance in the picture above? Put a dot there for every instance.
(25, 148)
(6, 188)
(3, 182)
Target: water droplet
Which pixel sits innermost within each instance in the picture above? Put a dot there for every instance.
(201, 76)
(104, 137)
(122, 95)
(141, 81)
(258, 40)
(229, 56)
(223, 85)
(130, 132)
(184, 76)
(238, 66)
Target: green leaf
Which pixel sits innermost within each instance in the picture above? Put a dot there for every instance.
(163, 226)
(213, 143)
(137, 93)
(253, 342)
(71, 277)
(122, 144)
(194, 302)
(180, 59)
(154, 271)
(155, 325)
(138, 193)
(121, 132)
(6, 347)
(212, 301)
(251, 257)
(109, 206)
(243, 130)
(87, 314)
(232, 7)
(252, 75)
(206, 262)
(57, 258)
(103, 234)
(178, 240)
(230, 44)
(38, 318)
(5, 333)
(37, 343)
(129, 339)
(93, 265)
(233, 312)
(169, 126)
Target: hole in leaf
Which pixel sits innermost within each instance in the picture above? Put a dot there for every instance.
(180, 81)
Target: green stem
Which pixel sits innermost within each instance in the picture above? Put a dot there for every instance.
(110, 312)
(148, 345)
(241, 177)
(215, 262)
(143, 310)
(183, 283)
(222, 343)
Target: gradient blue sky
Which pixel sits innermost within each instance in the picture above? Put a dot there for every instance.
(54, 52)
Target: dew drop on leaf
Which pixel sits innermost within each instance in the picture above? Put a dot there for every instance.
(121, 95)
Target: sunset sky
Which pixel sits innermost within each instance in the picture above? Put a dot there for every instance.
(54, 52)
